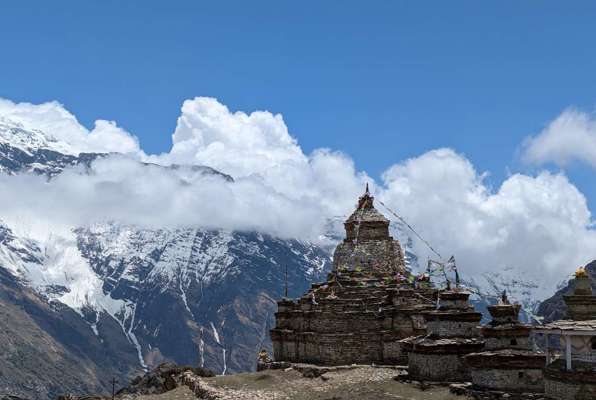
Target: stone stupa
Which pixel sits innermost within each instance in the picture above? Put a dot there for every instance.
(363, 310)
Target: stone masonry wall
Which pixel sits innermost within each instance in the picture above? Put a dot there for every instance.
(523, 380)
(331, 349)
(452, 328)
(521, 343)
(437, 367)
(393, 353)
(375, 255)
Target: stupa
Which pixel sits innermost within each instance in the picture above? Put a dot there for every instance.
(573, 376)
(451, 333)
(363, 310)
(507, 362)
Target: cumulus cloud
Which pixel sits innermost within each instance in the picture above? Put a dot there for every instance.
(259, 145)
(57, 122)
(570, 137)
(540, 224)
(241, 144)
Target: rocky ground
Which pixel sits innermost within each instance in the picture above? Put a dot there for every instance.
(293, 383)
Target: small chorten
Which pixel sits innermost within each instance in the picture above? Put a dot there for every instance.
(507, 362)
(505, 331)
(451, 333)
(581, 304)
(573, 377)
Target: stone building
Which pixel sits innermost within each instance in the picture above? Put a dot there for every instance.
(363, 310)
(507, 362)
(572, 376)
(452, 332)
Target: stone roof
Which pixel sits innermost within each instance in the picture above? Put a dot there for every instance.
(429, 344)
(569, 327)
(503, 330)
(506, 359)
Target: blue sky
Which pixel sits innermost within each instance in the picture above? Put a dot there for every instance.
(381, 81)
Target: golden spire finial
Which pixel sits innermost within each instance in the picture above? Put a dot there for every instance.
(581, 273)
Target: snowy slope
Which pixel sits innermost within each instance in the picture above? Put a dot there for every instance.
(30, 141)
(221, 284)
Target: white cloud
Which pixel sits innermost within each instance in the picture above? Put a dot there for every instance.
(240, 144)
(570, 137)
(540, 225)
(54, 120)
(258, 145)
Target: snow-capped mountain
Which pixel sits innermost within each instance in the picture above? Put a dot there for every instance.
(142, 296)
(30, 141)
(27, 150)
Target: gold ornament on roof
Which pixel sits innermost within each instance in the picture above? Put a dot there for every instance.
(581, 273)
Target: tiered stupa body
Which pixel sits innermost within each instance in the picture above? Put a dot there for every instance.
(573, 375)
(507, 362)
(452, 332)
(365, 307)
(368, 245)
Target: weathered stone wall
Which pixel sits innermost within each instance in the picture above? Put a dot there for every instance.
(358, 327)
(334, 349)
(393, 353)
(373, 255)
(509, 380)
(351, 349)
(460, 303)
(520, 343)
(560, 390)
(404, 323)
(452, 328)
(367, 231)
(342, 322)
(437, 367)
